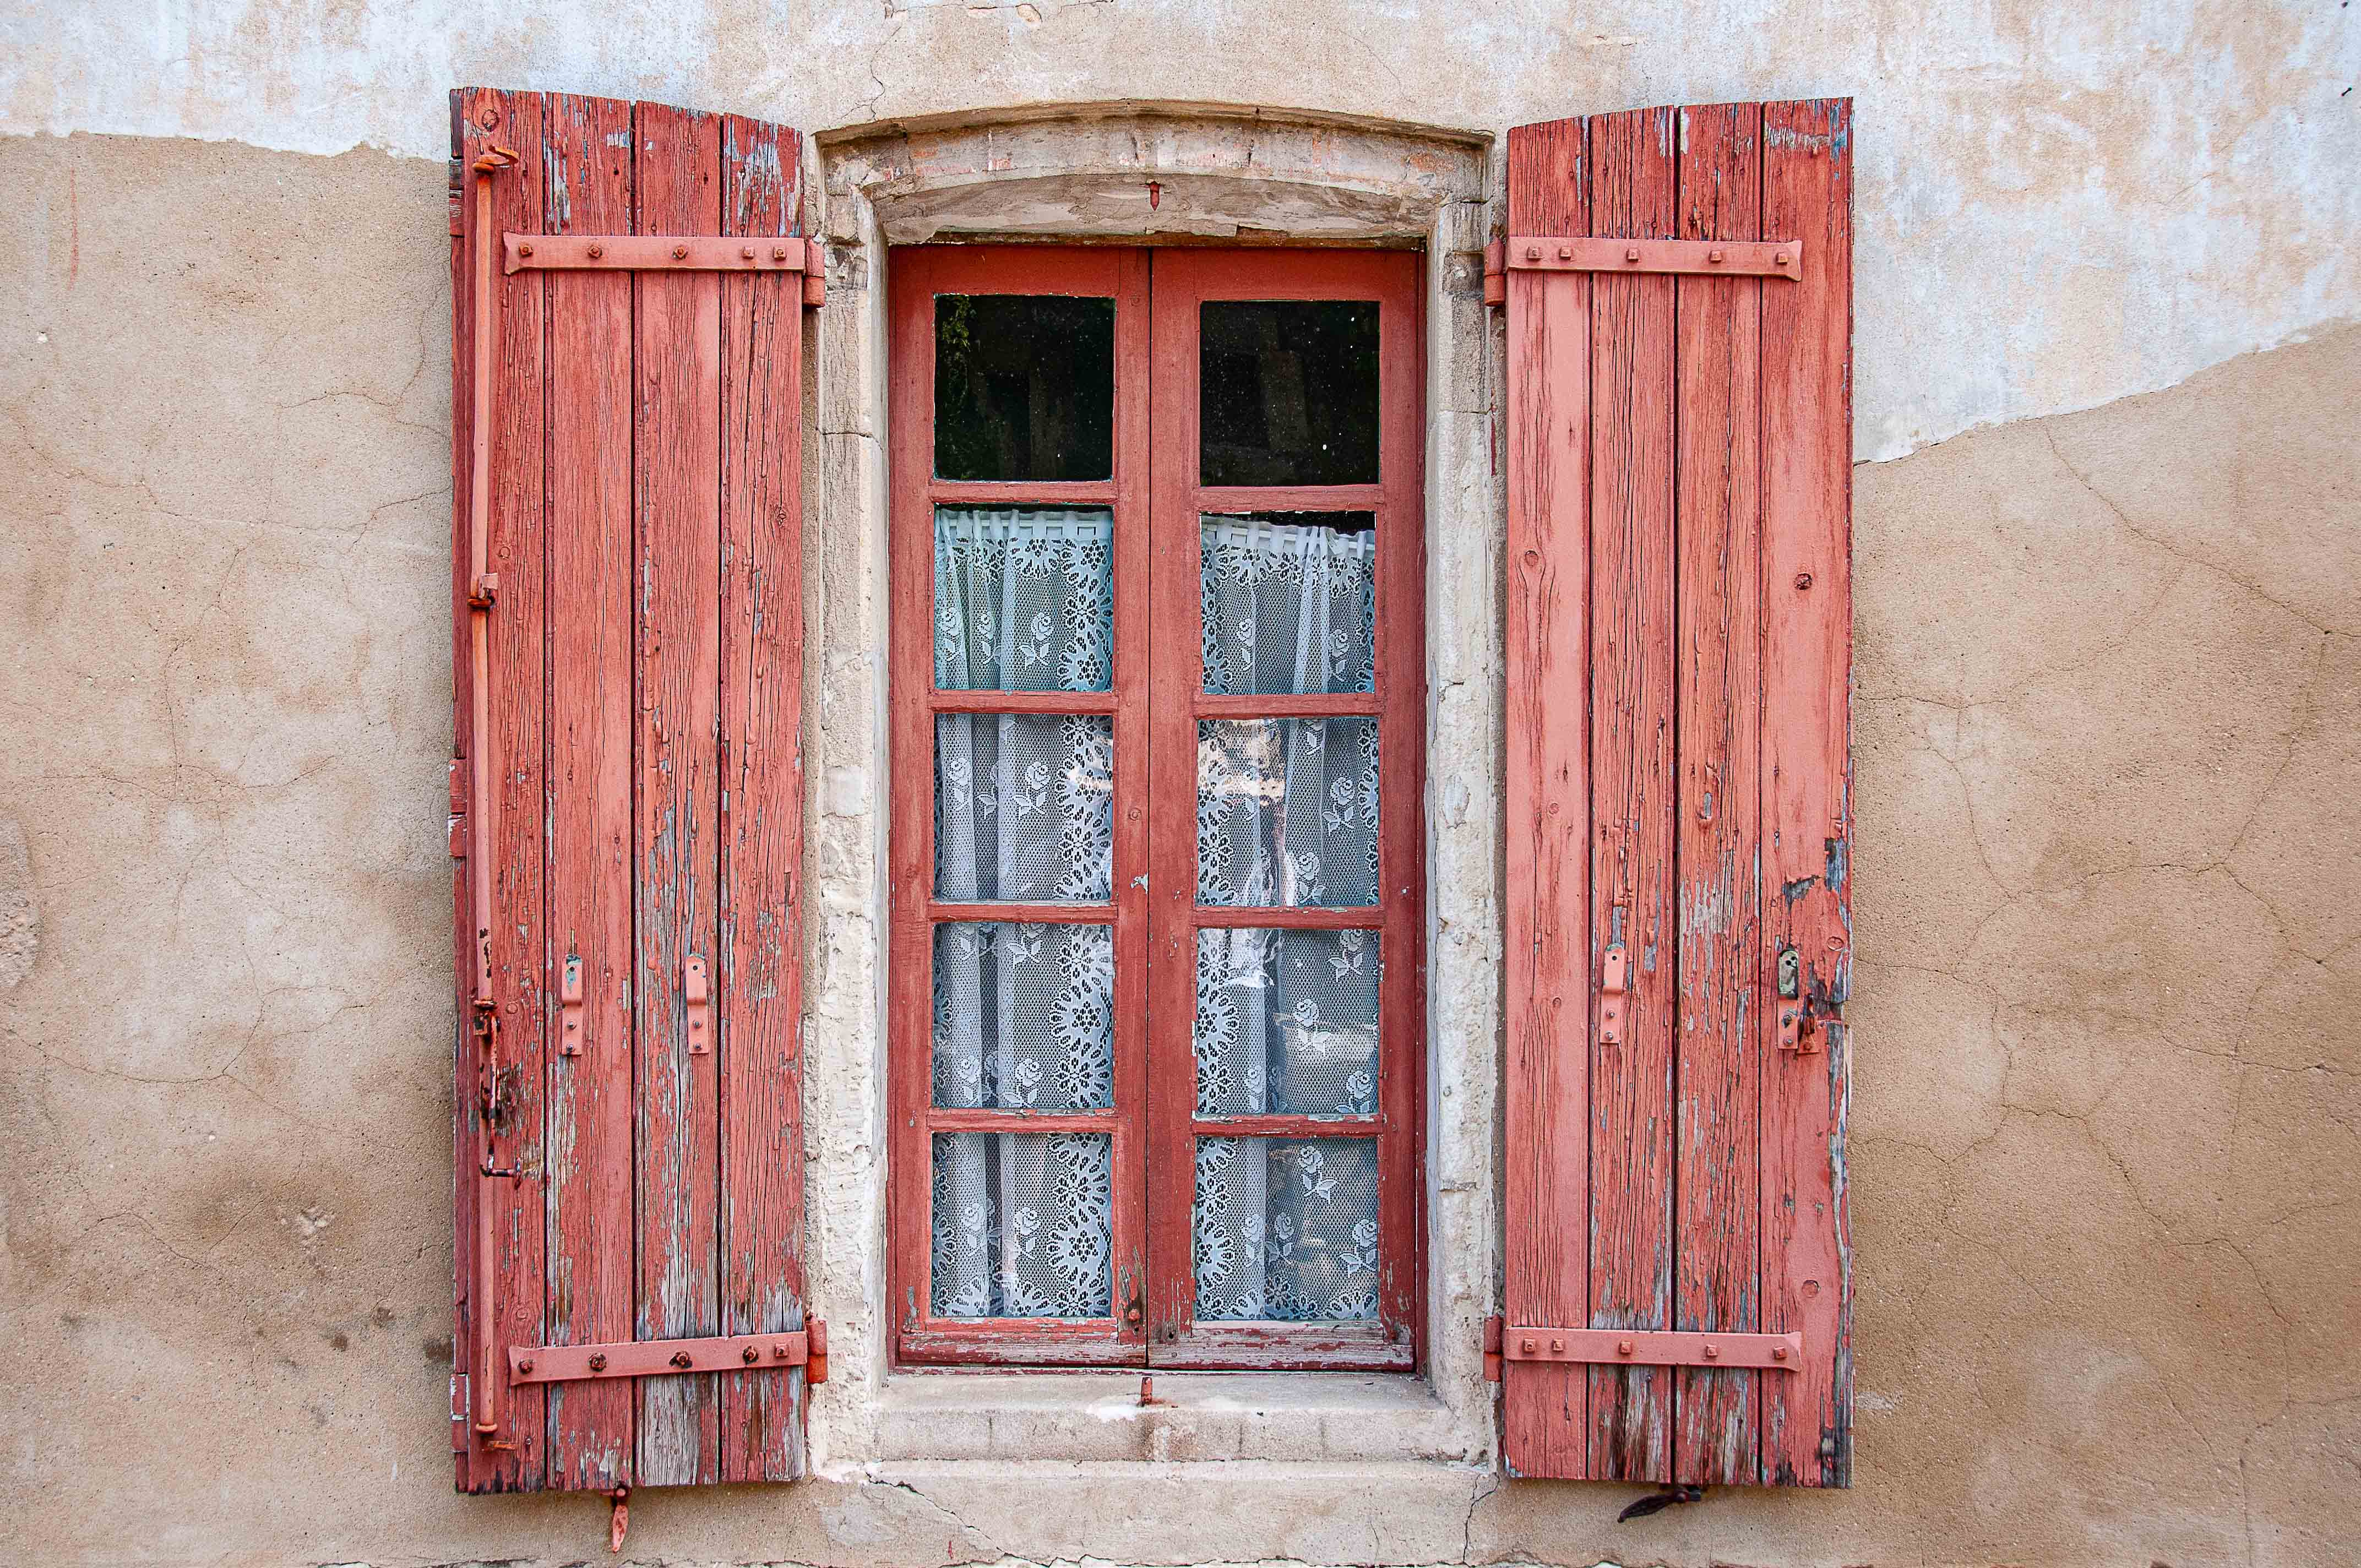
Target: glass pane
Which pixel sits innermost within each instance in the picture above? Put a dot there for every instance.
(1286, 1229)
(1287, 393)
(1287, 811)
(1024, 1015)
(1023, 1225)
(1024, 598)
(1289, 602)
(1287, 1022)
(1023, 387)
(1025, 806)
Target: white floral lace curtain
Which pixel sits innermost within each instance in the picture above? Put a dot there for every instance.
(1287, 814)
(1286, 1021)
(1024, 1013)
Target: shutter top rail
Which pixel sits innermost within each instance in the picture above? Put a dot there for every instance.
(1640, 1347)
(1590, 253)
(659, 253)
(806, 1347)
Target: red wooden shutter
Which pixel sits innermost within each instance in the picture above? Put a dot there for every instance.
(1678, 285)
(628, 794)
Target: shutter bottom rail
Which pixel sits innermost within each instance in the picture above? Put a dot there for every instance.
(806, 1347)
(1638, 1347)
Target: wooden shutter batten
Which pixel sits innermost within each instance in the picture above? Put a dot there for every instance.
(539, 747)
(1677, 1304)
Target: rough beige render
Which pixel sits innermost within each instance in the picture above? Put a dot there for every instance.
(2107, 1131)
(2060, 204)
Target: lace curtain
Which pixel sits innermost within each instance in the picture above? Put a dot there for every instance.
(1024, 1013)
(1022, 1016)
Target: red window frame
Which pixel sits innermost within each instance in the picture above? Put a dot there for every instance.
(1155, 702)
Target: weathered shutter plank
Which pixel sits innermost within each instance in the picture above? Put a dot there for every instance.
(1545, 1406)
(464, 1136)
(1718, 1110)
(592, 724)
(1632, 196)
(762, 802)
(510, 828)
(676, 471)
(1807, 807)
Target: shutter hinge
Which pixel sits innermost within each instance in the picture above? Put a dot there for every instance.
(806, 1347)
(1492, 1331)
(1496, 273)
(670, 253)
(1596, 253)
(814, 274)
(1643, 1347)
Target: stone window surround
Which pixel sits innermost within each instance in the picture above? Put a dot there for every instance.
(1218, 173)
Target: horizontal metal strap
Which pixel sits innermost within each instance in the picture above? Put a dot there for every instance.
(656, 253)
(1640, 1347)
(657, 1357)
(1737, 257)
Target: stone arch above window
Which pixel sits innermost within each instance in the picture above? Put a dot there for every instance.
(1130, 169)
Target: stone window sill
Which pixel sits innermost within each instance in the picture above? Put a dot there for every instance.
(1097, 1416)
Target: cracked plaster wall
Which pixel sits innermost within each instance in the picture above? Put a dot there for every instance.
(2107, 1135)
(2060, 205)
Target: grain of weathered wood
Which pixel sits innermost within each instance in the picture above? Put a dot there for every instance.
(762, 805)
(1544, 1408)
(511, 831)
(591, 1275)
(1632, 195)
(464, 1180)
(1716, 1080)
(677, 478)
(1807, 769)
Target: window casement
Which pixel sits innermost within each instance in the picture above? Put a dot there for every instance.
(1158, 710)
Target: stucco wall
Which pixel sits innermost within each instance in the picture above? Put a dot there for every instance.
(2061, 204)
(2107, 1132)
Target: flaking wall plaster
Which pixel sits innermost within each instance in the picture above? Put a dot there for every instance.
(2058, 204)
(2107, 1129)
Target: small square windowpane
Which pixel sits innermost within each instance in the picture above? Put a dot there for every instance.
(1287, 811)
(1287, 393)
(1288, 602)
(1024, 1017)
(1287, 1022)
(1024, 807)
(1024, 598)
(1286, 1230)
(1023, 387)
(1023, 1225)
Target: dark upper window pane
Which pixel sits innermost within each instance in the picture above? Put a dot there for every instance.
(1287, 393)
(1023, 387)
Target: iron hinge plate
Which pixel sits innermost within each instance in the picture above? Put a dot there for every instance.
(1643, 1347)
(1589, 253)
(806, 1347)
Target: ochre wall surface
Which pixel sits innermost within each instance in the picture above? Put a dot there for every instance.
(2106, 1134)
